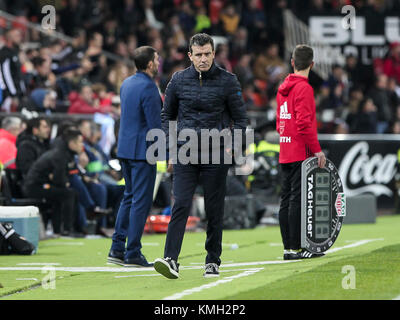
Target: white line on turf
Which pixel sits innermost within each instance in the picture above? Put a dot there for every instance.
(68, 243)
(124, 269)
(240, 264)
(140, 275)
(397, 298)
(355, 244)
(39, 264)
(26, 279)
(187, 292)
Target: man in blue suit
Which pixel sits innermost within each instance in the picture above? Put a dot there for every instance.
(140, 112)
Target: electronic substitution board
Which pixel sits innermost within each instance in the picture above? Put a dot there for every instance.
(323, 205)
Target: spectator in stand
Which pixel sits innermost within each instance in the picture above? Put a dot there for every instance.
(150, 15)
(12, 85)
(230, 20)
(117, 75)
(394, 94)
(214, 12)
(391, 65)
(395, 128)
(84, 102)
(72, 16)
(255, 21)
(101, 96)
(351, 109)
(243, 70)
(32, 143)
(203, 22)
(41, 76)
(11, 127)
(268, 66)
(367, 119)
(95, 56)
(354, 70)
(187, 18)
(381, 99)
(338, 77)
(222, 57)
(43, 100)
(239, 44)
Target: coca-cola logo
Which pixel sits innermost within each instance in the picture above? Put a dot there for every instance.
(362, 173)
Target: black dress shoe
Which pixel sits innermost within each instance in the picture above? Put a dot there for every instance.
(138, 262)
(116, 257)
(97, 212)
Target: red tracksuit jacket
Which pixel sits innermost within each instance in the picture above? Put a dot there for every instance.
(296, 122)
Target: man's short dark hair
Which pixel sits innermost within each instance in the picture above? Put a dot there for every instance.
(200, 39)
(71, 135)
(302, 56)
(35, 123)
(37, 61)
(142, 56)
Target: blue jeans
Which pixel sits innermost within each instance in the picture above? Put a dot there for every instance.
(135, 206)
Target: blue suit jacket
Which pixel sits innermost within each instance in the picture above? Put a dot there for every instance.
(140, 112)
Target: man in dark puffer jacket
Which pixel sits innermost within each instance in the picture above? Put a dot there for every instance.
(48, 178)
(32, 143)
(202, 96)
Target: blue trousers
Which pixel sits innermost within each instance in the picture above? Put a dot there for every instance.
(135, 206)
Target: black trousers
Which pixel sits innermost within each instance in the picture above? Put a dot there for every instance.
(63, 201)
(185, 180)
(290, 205)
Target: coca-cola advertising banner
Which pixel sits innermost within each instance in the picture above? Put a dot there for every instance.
(366, 163)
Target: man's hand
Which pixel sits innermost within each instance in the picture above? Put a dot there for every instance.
(321, 159)
(170, 167)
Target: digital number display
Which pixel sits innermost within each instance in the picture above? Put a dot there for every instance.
(322, 230)
(321, 197)
(323, 202)
(322, 180)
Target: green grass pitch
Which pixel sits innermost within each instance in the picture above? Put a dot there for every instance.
(363, 264)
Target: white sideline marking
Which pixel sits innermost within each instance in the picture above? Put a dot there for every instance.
(26, 279)
(39, 264)
(355, 244)
(124, 269)
(239, 264)
(150, 244)
(187, 292)
(140, 275)
(275, 244)
(55, 244)
(397, 298)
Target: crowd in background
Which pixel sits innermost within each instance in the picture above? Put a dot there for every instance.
(79, 75)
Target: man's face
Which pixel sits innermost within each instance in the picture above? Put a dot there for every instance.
(43, 132)
(15, 37)
(202, 57)
(85, 129)
(76, 145)
(155, 64)
(87, 94)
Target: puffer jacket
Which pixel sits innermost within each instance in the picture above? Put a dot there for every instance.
(57, 162)
(30, 148)
(207, 100)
